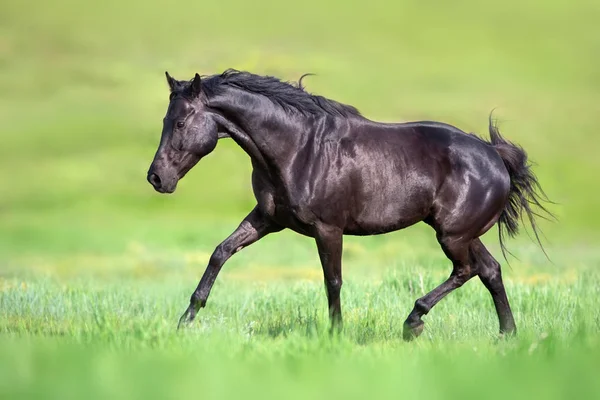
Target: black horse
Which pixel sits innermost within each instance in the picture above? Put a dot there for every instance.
(323, 170)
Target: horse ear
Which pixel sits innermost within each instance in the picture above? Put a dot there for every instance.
(196, 85)
(171, 81)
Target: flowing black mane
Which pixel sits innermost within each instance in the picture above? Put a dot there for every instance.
(291, 97)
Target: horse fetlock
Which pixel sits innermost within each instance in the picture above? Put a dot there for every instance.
(197, 301)
(422, 307)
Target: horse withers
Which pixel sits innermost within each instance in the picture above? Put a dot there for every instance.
(323, 170)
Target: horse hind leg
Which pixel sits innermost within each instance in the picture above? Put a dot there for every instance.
(490, 274)
(458, 233)
(457, 250)
(468, 259)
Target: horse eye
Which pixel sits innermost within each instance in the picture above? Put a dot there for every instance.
(180, 124)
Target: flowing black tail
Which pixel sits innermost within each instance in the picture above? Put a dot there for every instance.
(525, 194)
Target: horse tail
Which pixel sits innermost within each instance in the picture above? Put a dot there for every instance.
(525, 196)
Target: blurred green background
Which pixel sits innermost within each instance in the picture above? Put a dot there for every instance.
(82, 96)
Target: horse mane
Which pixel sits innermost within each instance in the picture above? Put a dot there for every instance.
(290, 97)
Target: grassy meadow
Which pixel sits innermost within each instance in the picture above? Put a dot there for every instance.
(95, 267)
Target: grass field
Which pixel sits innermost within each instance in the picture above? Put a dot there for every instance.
(95, 267)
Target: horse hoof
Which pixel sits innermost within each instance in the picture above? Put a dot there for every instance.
(187, 318)
(411, 332)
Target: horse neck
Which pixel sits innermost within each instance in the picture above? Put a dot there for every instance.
(264, 131)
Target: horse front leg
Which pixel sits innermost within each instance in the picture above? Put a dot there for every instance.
(254, 227)
(329, 243)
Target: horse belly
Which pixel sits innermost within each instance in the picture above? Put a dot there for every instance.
(389, 208)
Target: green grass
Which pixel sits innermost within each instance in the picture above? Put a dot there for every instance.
(112, 333)
(95, 268)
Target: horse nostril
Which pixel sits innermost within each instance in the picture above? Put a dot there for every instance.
(154, 180)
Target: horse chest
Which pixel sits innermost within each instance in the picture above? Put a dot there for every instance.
(275, 204)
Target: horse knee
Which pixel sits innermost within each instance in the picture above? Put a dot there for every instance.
(334, 284)
(220, 255)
